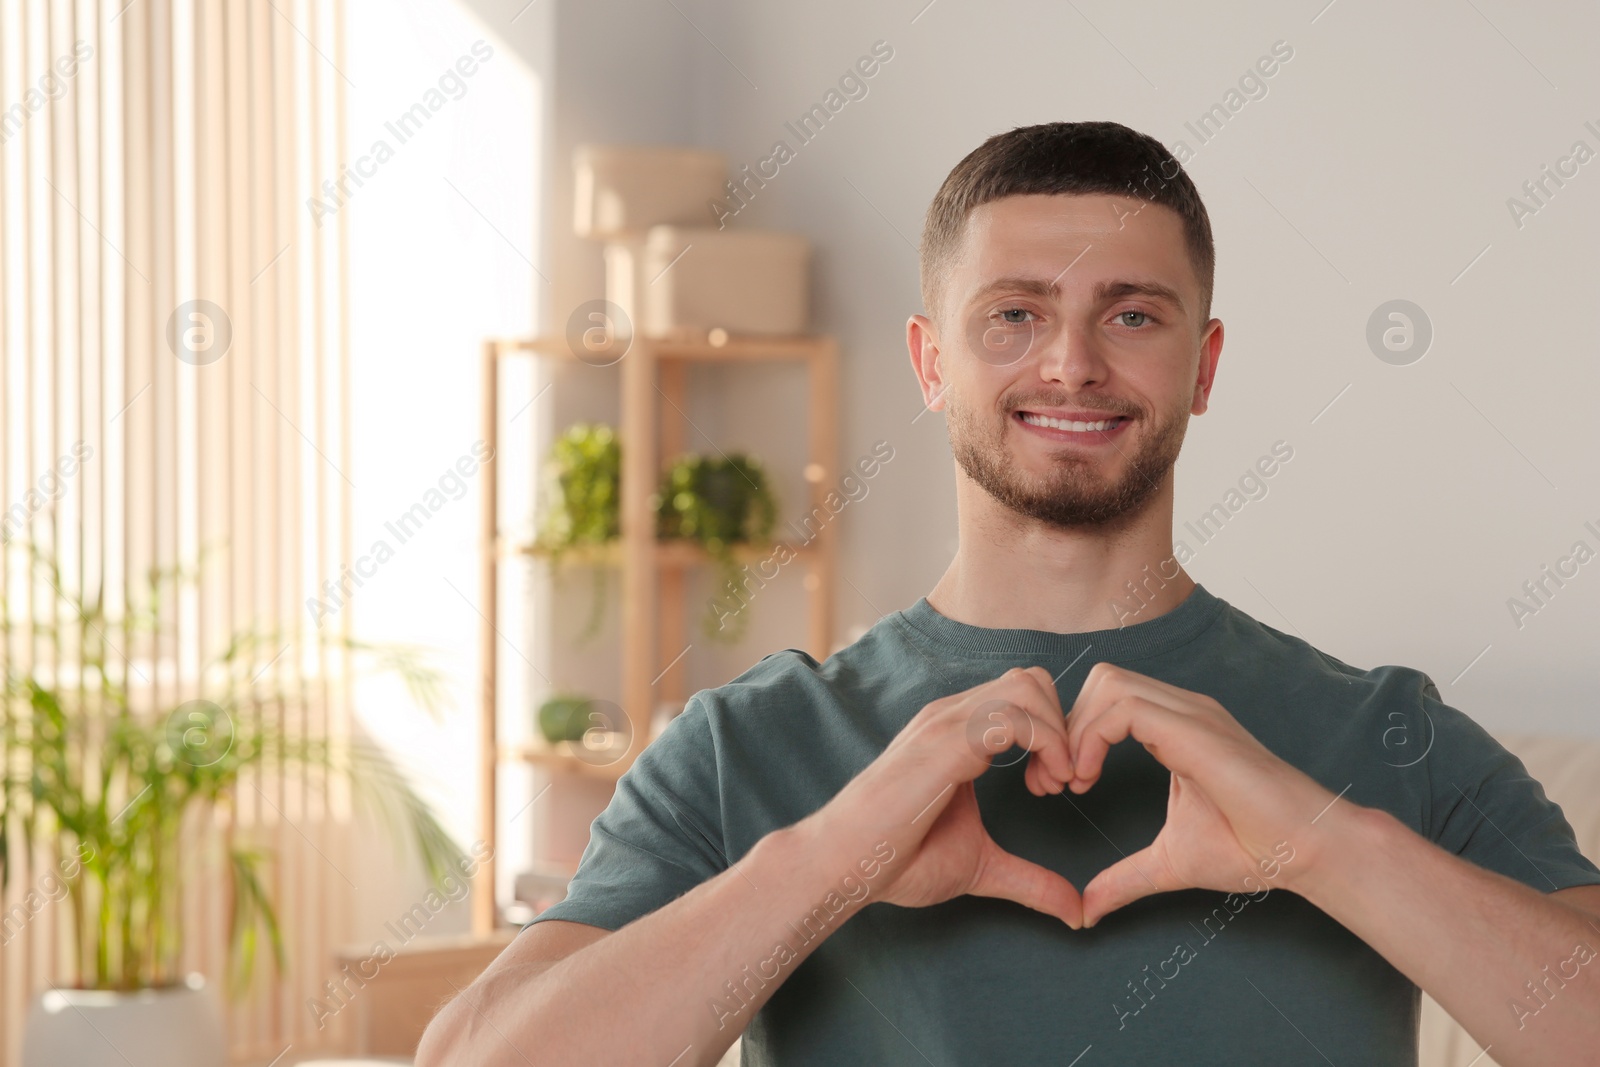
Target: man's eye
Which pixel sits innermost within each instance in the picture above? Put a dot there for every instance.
(1004, 316)
(1143, 318)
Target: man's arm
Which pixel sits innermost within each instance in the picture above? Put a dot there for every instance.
(678, 985)
(1520, 969)
(1475, 940)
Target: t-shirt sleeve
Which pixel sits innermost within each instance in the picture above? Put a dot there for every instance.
(1487, 809)
(659, 837)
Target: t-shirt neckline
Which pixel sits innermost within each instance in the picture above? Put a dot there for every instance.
(1178, 626)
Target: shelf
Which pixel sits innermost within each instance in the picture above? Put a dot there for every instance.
(675, 554)
(747, 348)
(563, 756)
(653, 379)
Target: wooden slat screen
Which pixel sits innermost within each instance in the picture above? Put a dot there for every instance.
(153, 153)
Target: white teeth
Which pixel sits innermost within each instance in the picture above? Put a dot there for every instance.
(1063, 424)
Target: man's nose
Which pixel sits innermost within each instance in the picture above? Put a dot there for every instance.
(1068, 355)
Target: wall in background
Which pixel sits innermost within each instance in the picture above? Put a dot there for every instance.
(444, 133)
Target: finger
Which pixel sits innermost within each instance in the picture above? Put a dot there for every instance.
(1009, 877)
(1040, 781)
(1142, 874)
(1106, 691)
(1022, 708)
(1015, 723)
(1047, 686)
(1092, 698)
(1106, 682)
(1047, 711)
(1103, 685)
(1152, 725)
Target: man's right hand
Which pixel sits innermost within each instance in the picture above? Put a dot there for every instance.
(918, 796)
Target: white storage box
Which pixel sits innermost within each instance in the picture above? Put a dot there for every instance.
(693, 279)
(624, 262)
(626, 189)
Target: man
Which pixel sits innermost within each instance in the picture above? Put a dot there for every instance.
(878, 858)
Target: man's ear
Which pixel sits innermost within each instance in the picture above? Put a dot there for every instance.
(1210, 352)
(923, 342)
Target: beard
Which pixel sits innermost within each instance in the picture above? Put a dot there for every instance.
(1073, 494)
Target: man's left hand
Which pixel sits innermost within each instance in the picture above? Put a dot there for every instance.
(1234, 807)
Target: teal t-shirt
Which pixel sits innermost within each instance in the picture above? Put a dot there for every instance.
(1194, 977)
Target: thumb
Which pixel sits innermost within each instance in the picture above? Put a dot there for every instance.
(1010, 877)
(1138, 875)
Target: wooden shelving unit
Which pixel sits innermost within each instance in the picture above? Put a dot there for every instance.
(652, 378)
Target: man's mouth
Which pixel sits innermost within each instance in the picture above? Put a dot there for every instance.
(1084, 422)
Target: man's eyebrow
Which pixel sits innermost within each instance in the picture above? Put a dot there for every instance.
(1107, 291)
(1028, 286)
(1103, 291)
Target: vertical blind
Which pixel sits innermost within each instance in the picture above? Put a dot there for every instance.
(175, 394)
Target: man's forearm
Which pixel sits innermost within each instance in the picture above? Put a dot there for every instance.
(1512, 965)
(679, 985)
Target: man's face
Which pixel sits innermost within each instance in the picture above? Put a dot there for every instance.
(1069, 354)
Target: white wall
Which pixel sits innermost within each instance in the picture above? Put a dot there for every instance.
(444, 238)
(463, 234)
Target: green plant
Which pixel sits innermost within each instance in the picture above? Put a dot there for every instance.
(133, 788)
(584, 500)
(564, 717)
(719, 501)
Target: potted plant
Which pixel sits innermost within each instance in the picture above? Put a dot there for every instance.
(583, 479)
(718, 501)
(116, 792)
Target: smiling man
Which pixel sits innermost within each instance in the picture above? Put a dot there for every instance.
(995, 829)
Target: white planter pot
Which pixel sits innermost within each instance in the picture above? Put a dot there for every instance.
(180, 1026)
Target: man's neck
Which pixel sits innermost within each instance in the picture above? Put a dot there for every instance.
(1010, 572)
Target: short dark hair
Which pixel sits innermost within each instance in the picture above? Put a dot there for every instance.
(1064, 157)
